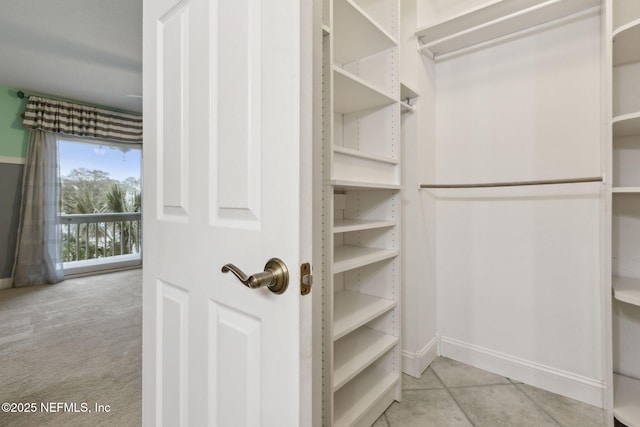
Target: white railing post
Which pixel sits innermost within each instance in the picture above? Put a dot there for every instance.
(129, 224)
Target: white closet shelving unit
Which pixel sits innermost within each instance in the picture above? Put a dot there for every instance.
(361, 210)
(625, 130)
(494, 20)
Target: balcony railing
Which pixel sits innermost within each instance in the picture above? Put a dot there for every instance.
(93, 236)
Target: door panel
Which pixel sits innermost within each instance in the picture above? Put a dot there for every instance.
(173, 96)
(237, 81)
(173, 349)
(236, 341)
(223, 143)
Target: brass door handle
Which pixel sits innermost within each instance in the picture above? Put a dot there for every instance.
(275, 276)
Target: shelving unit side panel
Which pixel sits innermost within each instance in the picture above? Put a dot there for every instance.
(326, 13)
(626, 89)
(328, 122)
(328, 302)
(626, 339)
(626, 158)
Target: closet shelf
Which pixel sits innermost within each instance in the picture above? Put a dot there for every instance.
(627, 124)
(352, 94)
(406, 92)
(362, 155)
(355, 185)
(627, 290)
(348, 225)
(355, 399)
(625, 43)
(354, 309)
(626, 405)
(357, 351)
(360, 36)
(625, 190)
(350, 257)
(495, 20)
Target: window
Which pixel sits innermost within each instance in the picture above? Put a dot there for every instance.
(100, 201)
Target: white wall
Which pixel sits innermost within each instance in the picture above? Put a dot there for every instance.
(518, 269)
(419, 338)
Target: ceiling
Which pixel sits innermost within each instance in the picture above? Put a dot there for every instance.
(84, 50)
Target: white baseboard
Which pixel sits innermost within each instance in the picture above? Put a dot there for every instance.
(6, 283)
(561, 382)
(414, 364)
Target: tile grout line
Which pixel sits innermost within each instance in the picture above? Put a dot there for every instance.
(536, 403)
(480, 385)
(453, 397)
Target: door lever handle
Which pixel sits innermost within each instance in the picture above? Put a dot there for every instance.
(275, 276)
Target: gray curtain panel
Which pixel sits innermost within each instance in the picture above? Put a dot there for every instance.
(39, 252)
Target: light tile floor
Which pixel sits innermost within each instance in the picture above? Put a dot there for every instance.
(450, 393)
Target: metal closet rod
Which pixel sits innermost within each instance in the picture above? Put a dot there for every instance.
(517, 183)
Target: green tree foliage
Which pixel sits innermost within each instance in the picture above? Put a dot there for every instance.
(85, 191)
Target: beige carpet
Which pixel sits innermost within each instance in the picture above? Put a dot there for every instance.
(77, 343)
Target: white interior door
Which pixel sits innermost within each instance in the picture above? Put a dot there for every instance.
(226, 130)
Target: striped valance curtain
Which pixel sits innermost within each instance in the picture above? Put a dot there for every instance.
(67, 118)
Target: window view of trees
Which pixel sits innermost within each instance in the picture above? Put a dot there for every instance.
(85, 191)
(99, 214)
